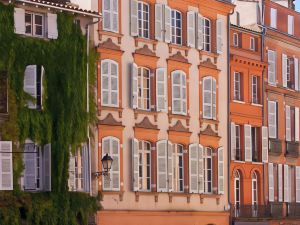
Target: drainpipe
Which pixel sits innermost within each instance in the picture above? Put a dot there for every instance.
(87, 94)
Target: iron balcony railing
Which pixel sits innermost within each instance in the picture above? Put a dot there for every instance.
(275, 146)
(293, 210)
(292, 149)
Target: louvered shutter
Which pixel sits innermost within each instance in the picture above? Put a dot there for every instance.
(30, 87)
(271, 182)
(170, 166)
(115, 168)
(207, 98)
(106, 149)
(273, 18)
(159, 22)
(280, 182)
(183, 94)
(221, 170)
(19, 18)
(287, 123)
(162, 176)
(71, 180)
(134, 17)
(161, 89)
(298, 184)
(114, 84)
(30, 166)
(47, 168)
(271, 67)
(214, 98)
(248, 143)
(264, 143)
(176, 93)
(42, 86)
(134, 86)
(167, 24)
(135, 164)
(106, 12)
(86, 169)
(193, 168)
(52, 26)
(233, 141)
(297, 124)
(286, 184)
(191, 29)
(200, 32)
(105, 75)
(290, 24)
(296, 73)
(6, 167)
(115, 15)
(272, 119)
(201, 170)
(284, 70)
(219, 36)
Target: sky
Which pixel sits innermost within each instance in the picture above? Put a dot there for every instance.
(297, 5)
(85, 4)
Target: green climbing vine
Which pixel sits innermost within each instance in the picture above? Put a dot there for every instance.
(62, 122)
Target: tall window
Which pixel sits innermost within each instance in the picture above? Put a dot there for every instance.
(254, 141)
(290, 25)
(272, 67)
(209, 98)
(179, 102)
(144, 166)
(237, 189)
(290, 72)
(252, 43)
(236, 39)
(143, 19)
(272, 119)
(176, 26)
(238, 155)
(254, 189)
(273, 18)
(109, 83)
(144, 88)
(207, 35)
(207, 157)
(110, 21)
(34, 24)
(255, 89)
(178, 168)
(78, 172)
(237, 86)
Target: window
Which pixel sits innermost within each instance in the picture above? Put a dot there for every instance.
(144, 88)
(292, 123)
(110, 21)
(34, 24)
(109, 83)
(163, 21)
(78, 172)
(237, 189)
(111, 146)
(143, 19)
(196, 169)
(273, 18)
(255, 90)
(272, 119)
(237, 86)
(206, 35)
(238, 154)
(252, 43)
(290, 72)
(254, 189)
(254, 141)
(178, 168)
(176, 26)
(207, 170)
(6, 172)
(235, 39)
(144, 166)
(179, 102)
(209, 98)
(272, 67)
(271, 182)
(290, 25)
(3, 93)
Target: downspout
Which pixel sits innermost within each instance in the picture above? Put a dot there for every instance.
(87, 95)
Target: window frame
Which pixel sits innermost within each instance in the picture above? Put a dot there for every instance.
(238, 136)
(177, 168)
(236, 41)
(144, 152)
(237, 190)
(206, 35)
(143, 20)
(111, 15)
(141, 88)
(276, 118)
(252, 44)
(274, 23)
(181, 87)
(254, 190)
(254, 88)
(272, 63)
(208, 184)
(237, 83)
(174, 27)
(33, 24)
(213, 96)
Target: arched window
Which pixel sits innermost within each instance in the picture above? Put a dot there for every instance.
(144, 166)
(109, 83)
(179, 102)
(178, 168)
(207, 159)
(111, 146)
(143, 80)
(209, 98)
(237, 188)
(254, 189)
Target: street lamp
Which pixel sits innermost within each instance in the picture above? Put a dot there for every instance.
(106, 164)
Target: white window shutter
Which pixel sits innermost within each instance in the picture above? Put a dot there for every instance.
(284, 70)
(106, 12)
(219, 36)
(297, 124)
(105, 67)
(290, 25)
(248, 143)
(191, 28)
(170, 166)
(6, 168)
(193, 168)
(30, 87)
(134, 17)
(106, 149)
(183, 94)
(30, 166)
(162, 177)
(214, 99)
(135, 164)
(201, 170)
(264, 143)
(280, 183)
(273, 18)
(86, 169)
(134, 86)
(168, 24)
(159, 22)
(271, 67)
(287, 123)
(272, 119)
(271, 182)
(298, 184)
(42, 85)
(221, 170)
(47, 168)
(161, 89)
(296, 73)
(200, 28)
(71, 180)
(207, 97)
(114, 84)
(19, 17)
(233, 141)
(115, 15)
(52, 26)
(286, 184)
(115, 169)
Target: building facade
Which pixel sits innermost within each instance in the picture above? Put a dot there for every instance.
(162, 110)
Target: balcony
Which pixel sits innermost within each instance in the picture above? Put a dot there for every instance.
(293, 210)
(275, 147)
(276, 209)
(292, 149)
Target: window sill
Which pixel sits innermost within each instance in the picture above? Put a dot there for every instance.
(238, 101)
(120, 193)
(213, 196)
(111, 34)
(211, 121)
(209, 54)
(110, 108)
(178, 116)
(255, 104)
(146, 41)
(179, 47)
(145, 112)
(239, 161)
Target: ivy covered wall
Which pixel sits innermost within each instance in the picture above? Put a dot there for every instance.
(62, 122)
